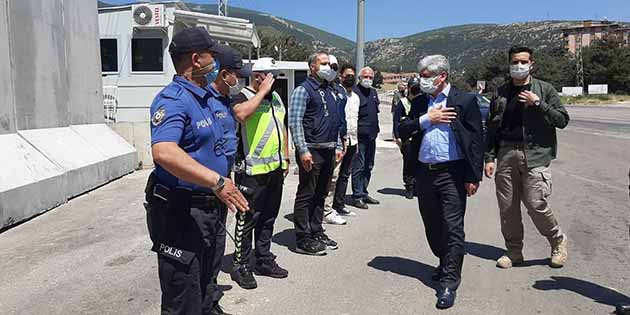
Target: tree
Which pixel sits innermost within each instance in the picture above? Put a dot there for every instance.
(608, 62)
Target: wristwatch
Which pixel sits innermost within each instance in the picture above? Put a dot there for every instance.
(219, 185)
(537, 103)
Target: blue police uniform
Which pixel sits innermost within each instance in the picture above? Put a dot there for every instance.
(186, 221)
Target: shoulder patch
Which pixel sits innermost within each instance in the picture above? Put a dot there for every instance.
(158, 117)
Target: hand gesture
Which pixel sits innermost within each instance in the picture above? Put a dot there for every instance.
(442, 115)
(266, 84)
(232, 197)
(307, 161)
(529, 98)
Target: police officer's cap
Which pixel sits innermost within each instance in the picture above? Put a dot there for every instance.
(413, 82)
(194, 39)
(231, 60)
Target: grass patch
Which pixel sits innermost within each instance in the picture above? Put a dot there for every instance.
(595, 99)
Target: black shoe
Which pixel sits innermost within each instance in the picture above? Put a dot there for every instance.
(409, 194)
(309, 246)
(243, 277)
(622, 309)
(217, 310)
(324, 239)
(268, 267)
(345, 212)
(445, 298)
(358, 203)
(371, 201)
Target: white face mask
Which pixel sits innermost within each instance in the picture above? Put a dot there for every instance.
(520, 71)
(234, 89)
(325, 72)
(427, 84)
(366, 83)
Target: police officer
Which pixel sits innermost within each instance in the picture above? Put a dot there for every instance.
(188, 194)
(403, 108)
(263, 163)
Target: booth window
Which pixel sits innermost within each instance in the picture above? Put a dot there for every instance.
(300, 76)
(147, 54)
(109, 55)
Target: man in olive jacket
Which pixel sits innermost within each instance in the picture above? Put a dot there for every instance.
(521, 137)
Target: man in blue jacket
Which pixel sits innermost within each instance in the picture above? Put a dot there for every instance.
(367, 131)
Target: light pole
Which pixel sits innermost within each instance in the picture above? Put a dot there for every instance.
(360, 60)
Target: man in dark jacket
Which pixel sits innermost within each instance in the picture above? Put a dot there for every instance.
(521, 136)
(368, 130)
(403, 109)
(448, 134)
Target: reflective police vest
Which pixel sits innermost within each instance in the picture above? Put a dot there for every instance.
(262, 136)
(406, 104)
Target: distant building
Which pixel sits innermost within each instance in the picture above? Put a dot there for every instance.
(590, 31)
(393, 78)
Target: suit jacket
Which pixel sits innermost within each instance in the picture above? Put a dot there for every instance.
(467, 128)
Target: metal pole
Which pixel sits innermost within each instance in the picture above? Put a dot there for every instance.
(360, 58)
(223, 4)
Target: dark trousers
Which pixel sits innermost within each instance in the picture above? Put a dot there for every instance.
(265, 201)
(442, 203)
(308, 210)
(190, 242)
(362, 168)
(344, 174)
(409, 165)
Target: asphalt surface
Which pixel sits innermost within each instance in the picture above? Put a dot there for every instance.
(91, 256)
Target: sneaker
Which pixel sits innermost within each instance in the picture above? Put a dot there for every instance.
(268, 267)
(217, 310)
(345, 212)
(371, 201)
(309, 246)
(243, 277)
(334, 218)
(559, 253)
(324, 239)
(510, 259)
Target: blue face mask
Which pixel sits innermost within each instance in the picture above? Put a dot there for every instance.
(212, 75)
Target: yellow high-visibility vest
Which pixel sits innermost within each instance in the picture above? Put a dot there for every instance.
(262, 136)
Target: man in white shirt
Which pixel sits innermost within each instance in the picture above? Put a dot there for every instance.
(334, 206)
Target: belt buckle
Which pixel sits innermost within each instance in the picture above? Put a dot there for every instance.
(432, 167)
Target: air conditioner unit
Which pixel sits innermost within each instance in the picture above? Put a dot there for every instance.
(148, 15)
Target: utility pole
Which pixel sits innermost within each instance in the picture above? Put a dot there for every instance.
(579, 61)
(223, 4)
(360, 60)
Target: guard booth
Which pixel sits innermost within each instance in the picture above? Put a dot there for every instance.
(134, 51)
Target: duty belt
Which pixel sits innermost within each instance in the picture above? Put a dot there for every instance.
(197, 200)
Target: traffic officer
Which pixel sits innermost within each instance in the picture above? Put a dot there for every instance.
(403, 108)
(188, 194)
(263, 161)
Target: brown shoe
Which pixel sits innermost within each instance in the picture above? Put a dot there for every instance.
(559, 253)
(510, 259)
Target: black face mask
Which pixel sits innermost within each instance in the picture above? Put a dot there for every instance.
(349, 81)
(415, 90)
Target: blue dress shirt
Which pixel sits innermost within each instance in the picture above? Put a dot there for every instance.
(439, 144)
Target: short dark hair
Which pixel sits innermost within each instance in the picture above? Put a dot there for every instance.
(520, 49)
(312, 59)
(346, 67)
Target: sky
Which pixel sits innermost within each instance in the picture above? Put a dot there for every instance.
(399, 18)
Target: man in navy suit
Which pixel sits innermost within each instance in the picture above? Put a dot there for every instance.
(447, 132)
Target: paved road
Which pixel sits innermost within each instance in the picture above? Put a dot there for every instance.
(91, 255)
